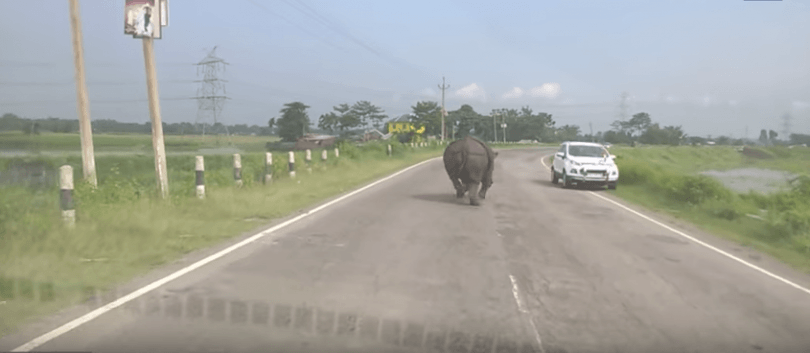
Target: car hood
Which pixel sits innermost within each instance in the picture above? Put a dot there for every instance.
(593, 160)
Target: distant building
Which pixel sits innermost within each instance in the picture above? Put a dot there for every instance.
(374, 134)
(312, 141)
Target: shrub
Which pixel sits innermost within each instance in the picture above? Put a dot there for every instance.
(695, 189)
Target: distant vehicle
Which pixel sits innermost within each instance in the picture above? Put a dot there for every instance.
(584, 163)
(608, 145)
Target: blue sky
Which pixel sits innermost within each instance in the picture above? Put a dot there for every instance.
(713, 67)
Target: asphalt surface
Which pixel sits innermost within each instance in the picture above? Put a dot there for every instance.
(405, 266)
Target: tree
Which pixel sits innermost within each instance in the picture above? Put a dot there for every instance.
(293, 121)
(798, 139)
(465, 120)
(329, 122)
(772, 136)
(763, 136)
(429, 115)
(568, 133)
(369, 114)
(270, 124)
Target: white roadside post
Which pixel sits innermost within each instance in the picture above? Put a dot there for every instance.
(237, 169)
(66, 195)
(199, 167)
(309, 161)
(337, 153)
(389, 151)
(268, 168)
(292, 164)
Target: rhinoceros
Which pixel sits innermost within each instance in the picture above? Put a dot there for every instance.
(469, 163)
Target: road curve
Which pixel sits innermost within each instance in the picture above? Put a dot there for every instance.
(405, 266)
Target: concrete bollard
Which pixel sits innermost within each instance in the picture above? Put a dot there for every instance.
(292, 164)
(66, 195)
(337, 153)
(389, 150)
(309, 161)
(199, 168)
(237, 169)
(268, 168)
(324, 155)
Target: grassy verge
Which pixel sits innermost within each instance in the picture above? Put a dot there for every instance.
(122, 230)
(665, 179)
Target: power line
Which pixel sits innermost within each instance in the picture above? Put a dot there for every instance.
(295, 24)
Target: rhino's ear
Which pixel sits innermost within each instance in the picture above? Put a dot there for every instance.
(496, 154)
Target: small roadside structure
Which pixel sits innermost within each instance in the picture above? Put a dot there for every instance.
(313, 141)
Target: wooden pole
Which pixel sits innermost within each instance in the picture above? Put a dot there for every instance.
(85, 129)
(157, 123)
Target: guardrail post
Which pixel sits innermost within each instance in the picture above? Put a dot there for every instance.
(389, 150)
(66, 195)
(237, 169)
(337, 153)
(292, 164)
(324, 155)
(199, 168)
(268, 168)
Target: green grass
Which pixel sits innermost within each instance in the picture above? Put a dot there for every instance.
(125, 225)
(666, 179)
(128, 142)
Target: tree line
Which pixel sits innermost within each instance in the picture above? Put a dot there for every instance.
(350, 120)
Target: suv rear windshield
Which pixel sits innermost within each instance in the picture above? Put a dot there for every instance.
(587, 151)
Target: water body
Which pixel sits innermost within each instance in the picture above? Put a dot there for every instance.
(743, 180)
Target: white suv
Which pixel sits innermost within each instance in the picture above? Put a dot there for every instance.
(584, 163)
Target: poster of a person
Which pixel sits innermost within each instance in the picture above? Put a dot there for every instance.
(142, 19)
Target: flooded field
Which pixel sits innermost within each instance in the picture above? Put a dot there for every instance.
(743, 180)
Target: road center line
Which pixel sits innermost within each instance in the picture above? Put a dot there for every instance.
(522, 308)
(61, 330)
(695, 240)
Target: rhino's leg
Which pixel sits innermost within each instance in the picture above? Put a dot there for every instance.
(460, 189)
(486, 183)
(472, 188)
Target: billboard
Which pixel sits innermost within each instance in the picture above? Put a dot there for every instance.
(145, 18)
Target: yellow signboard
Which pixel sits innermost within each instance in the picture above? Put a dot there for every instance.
(400, 127)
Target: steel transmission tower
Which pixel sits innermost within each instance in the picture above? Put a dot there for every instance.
(211, 94)
(786, 125)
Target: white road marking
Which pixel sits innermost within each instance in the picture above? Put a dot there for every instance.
(61, 330)
(697, 241)
(522, 308)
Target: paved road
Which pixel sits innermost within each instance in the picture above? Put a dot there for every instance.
(404, 266)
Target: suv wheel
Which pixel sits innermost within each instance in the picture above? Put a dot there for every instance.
(612, 186)
(554, 177)
(566, 181)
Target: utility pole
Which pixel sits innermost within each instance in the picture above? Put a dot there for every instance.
(157, 122)
(494, 128)
(85, 129)
(503, 125)
(444, 111)
(211, 94)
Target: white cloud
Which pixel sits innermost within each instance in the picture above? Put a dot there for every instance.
(672, 99)
(428, 92)
(706, 101)
(547, 90)
(733, 103)
(516, 92)
(799, 105)
(471, 91)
